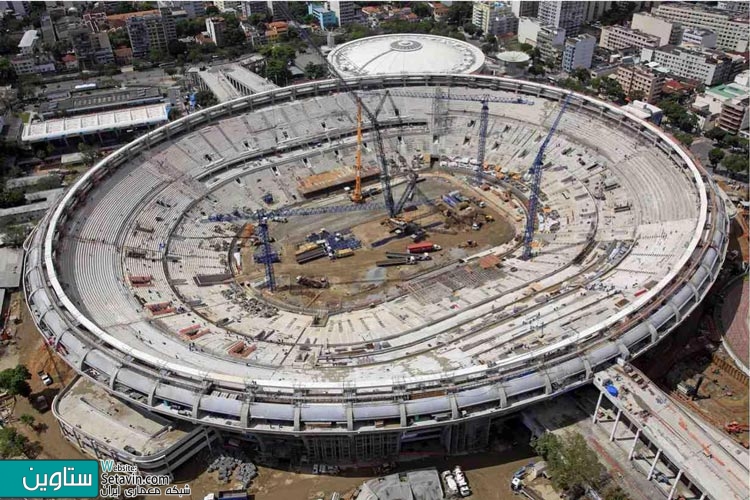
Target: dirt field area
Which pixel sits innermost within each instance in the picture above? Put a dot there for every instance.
(356, 280)
(488, 473)
(26, 347)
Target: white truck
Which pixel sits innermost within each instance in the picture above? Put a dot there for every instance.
(451, 488)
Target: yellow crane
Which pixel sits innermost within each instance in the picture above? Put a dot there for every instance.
(356, 195)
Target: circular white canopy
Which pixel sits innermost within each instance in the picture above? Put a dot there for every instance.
(406, 53)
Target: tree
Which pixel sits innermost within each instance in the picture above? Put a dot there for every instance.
(528, 48)
(636, 95)
(315, 71)
(716, 134)
(582, 75)
(11, 198)
(615, 493)
(459, 12)
(176, 48)
(212, 10)
(6, 70)
(715, 156)
(572, 464)
(14, 380)
(16, 235)
(469, 28)
(736, 163)
(278, 72)
(684, 138)
(28, 420)
(12, 443)
(205, 98)
(421, 9)
(678, 115)
(88, 152)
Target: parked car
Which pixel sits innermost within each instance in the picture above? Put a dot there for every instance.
(46, 379)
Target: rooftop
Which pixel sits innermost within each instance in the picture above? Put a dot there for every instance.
(100, 100)
(10, 267)
(28, 39)
(414, 485)
(217, 79)
(728, 90)
(58, 128)
(96, 413)
(406, 53)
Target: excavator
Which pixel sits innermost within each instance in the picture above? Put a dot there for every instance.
(356, 195)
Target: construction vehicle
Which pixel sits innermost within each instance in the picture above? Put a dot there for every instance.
(343, 253)
(399, 255)
(356, 195)
(736, 427)
(468, 244)
(396, 262)
(311, 282)
(690, 389)
(488, 218)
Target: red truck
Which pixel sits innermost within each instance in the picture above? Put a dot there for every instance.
(423, 247)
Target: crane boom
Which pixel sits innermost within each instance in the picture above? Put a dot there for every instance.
(536, 174)
(357, 194)
(385, 178)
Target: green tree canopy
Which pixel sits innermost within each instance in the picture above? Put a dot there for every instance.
(571, 463)
(205, 98)
(715, 156)
(14, 380)
(736, 163)
(12, 443)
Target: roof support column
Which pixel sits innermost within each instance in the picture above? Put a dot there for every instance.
(503, 396)
(674, 484)
(349, 417)
(614, 427)
(196, 405)
(635, 443)
(454, 406)
(653, 465)
(402, 410)
(298, 418)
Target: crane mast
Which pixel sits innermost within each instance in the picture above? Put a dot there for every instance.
(356, 196)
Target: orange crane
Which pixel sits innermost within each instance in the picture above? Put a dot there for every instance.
(356, 195)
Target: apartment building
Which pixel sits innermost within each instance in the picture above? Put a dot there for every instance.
(735, 114)
(708, 66)
(550, 42)
(216, 27)
(578, 52)
(699, 36)
(619, 37)
(732, 28)
(494, 19)
(524, 8)
(567, 15)
(91, 49)
(734, 5)
(346, 12)
(641, 79)
(151, 31)
(251, 8)
(28, 64)
(191, 8)
(669, 33)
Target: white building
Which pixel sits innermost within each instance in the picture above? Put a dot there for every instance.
(644, 111)
(578, 52)
(734, 5)
(708, 66)
(669, 33)
(699, 36)
(28, 42)
(568, 15)
(528, 29)
(215, 27)
(617, 37)
(732, 29)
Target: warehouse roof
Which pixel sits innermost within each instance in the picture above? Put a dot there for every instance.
(98, 122)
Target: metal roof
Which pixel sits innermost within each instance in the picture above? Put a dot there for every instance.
(406, 54)
(98, 122)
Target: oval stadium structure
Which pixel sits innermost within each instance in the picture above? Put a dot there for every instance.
(145, 291)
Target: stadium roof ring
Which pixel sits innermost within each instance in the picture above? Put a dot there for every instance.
(639, 239)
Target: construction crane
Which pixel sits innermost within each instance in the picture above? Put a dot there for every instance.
(483, 116)
(356, 196)
(385, 178)
(536, 182)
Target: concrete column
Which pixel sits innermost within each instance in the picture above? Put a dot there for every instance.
(653, 465)
(614, 428)
(635, 443)
(674, 484)
(596, 410)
